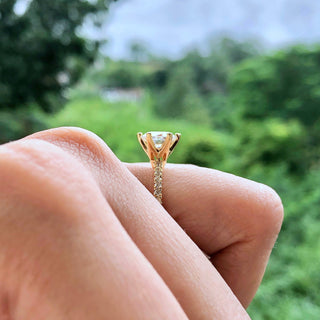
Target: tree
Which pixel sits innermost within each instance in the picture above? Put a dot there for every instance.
(41, 51)
(210, 72)
(138, 51)
(285, 85)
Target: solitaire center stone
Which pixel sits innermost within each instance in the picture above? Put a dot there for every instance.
(158, 137)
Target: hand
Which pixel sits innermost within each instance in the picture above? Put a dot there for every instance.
(82, 238)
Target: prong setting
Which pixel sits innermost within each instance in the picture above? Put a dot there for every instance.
(158, 145)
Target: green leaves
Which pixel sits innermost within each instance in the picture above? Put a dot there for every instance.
(41, 52)
(285, 85)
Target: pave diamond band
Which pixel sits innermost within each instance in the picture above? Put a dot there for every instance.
(158, 180)
(158, 145)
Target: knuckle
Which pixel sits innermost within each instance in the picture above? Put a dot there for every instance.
(13, 165)
(43, 184)
(268, 210)
(36, 171)
(27, 161)
(80, 142)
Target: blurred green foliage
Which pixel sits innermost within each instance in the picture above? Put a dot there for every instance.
(238, 109)
(16, 125)
(41, 51)
(285, 85)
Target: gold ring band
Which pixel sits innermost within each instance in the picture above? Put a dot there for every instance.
(158, 145)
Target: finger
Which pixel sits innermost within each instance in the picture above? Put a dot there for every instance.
(194, 281)
(63, 252)
(234, 220)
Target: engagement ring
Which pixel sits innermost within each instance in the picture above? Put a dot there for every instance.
(158, 145)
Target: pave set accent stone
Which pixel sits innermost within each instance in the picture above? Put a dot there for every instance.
(158, 180)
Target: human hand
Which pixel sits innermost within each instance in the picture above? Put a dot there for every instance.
(82, 238)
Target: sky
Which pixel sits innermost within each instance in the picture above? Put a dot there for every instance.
(170, 27)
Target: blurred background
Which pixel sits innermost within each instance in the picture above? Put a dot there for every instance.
(239, 79)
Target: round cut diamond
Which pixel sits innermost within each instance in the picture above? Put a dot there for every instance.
(158, 137)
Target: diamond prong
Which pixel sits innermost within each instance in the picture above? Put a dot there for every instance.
(151, 148)
(140, 139)
(166, 141)
(174, 143)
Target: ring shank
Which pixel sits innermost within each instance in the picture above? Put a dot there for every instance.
(158, 168)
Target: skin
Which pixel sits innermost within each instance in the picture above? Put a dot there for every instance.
(81, 235)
